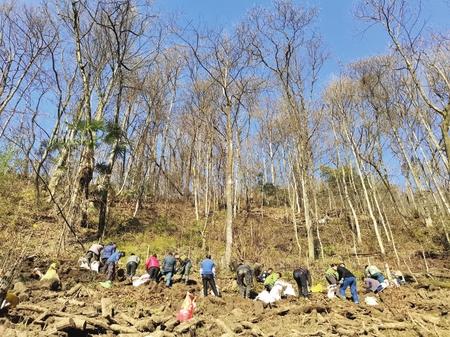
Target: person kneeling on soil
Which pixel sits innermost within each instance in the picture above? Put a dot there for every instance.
(93, 254)
(303, 278)
(112, 263)
(184, 268)
(168, 268)
(152, 267)
(374, 273)
(372, 285)
(270, 280)
(244, 279)
(132, 264)
(347, 279)
(207, 272)
(262, 277)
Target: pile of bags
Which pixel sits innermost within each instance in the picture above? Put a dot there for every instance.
(84, 264)
(280, 289)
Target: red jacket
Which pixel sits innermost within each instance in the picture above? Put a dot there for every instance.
(152, 262)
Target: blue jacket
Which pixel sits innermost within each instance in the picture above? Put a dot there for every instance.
(114, 258)
(207, 266)
(108, 251)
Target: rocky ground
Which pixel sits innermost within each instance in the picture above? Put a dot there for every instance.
(84, 308)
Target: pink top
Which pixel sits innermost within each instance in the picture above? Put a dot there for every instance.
(152, 262)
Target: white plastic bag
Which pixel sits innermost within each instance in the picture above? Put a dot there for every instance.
(95, 266)
(331, 291)
(264, 296)
(289, 290)
(141, 280)
(370, 300)
(83, 262)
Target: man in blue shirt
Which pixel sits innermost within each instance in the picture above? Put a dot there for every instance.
(107, 251)
(111, 264)
(207, 272)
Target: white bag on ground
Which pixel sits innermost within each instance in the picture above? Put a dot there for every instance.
(83, 262)
(289, 290)
(279, 289)
(370, 300)
(141, 280)
(331, 291)
(264, 296)
(95, 266)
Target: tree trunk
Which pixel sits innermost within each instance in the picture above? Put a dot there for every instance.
(229, 187)
(366, 195)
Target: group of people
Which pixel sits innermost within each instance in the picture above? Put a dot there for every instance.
(106, 259)
(339, 278)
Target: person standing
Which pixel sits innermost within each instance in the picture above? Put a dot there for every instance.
(348, 280)
(168, 268)
(132, 264)
(244, 279)
(112, 263)
(207, 272)
(303, 278)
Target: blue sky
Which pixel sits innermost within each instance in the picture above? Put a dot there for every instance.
(346, 38)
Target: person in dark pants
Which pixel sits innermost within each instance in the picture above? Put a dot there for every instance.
(184, 268)
(348, 280)
(132, 264)
(111, 265)
(303, 278)
(152, 267)
(93, 254)
(244, 279)
(207, 272)
(107, 251)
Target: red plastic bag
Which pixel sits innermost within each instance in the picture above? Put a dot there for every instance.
(187, 308)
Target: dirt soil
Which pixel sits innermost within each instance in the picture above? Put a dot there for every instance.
(83, 308)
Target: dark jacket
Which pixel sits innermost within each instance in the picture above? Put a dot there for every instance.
(169, 263)
(304, 271)
(344, 273)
